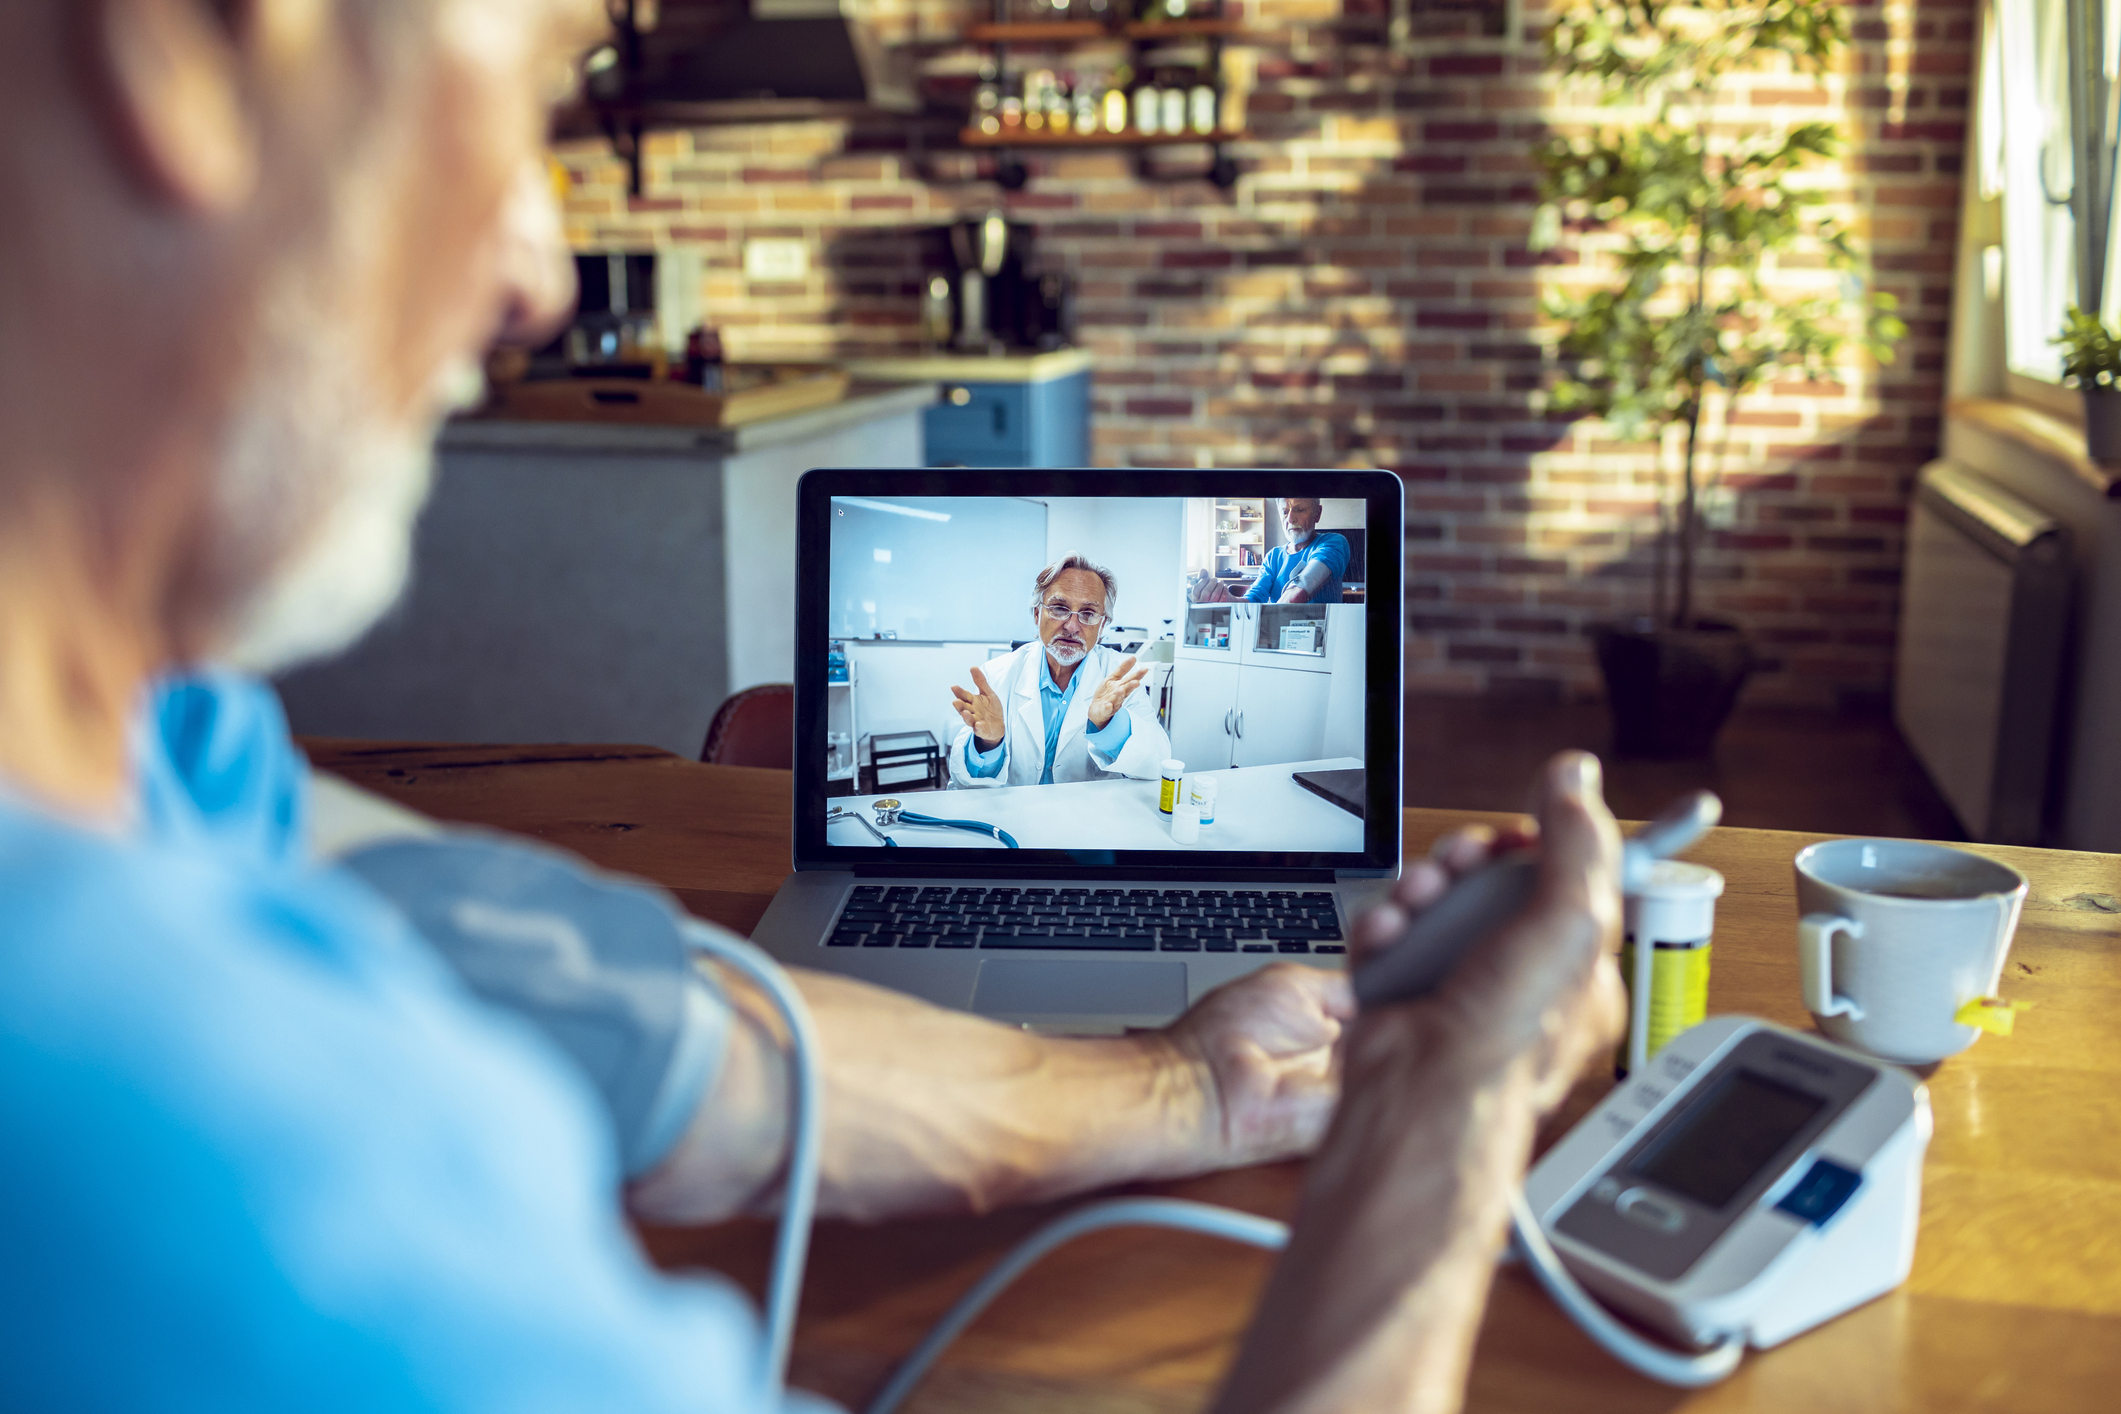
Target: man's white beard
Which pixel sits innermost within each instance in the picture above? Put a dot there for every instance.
(1066, 655)
(319, 492)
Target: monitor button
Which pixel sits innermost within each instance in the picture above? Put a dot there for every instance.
(1606, 1189)
(1641, 1206)
(1820, 1194)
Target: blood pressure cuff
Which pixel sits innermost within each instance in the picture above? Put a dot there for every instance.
(595, 962)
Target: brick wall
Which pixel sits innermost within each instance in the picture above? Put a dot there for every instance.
(1366, 296)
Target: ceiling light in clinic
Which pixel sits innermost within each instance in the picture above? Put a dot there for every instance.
(887, 506)
(883, 555)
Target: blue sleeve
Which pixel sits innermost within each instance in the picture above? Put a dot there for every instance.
(1111, 738)
(984, 765)
(215, 764)
(595, 963)
(1262, 590)
(1332, 552)
(264, 1155)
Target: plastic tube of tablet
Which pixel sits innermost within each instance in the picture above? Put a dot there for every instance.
(1185, 823)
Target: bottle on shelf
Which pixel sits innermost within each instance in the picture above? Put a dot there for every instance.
(1171, 93)
(1203, 105)
(987, 100)
(1148, 109)
(1086, 105)
(1116, 111)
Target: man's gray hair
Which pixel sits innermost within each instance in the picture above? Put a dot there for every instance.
(1060, 567)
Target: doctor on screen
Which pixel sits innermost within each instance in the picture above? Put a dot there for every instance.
(1062, 708)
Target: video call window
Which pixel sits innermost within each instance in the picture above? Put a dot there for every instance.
(1096, 673)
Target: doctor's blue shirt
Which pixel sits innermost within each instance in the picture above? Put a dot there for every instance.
(264, 1152)
(1105, 741)
(1284, 565)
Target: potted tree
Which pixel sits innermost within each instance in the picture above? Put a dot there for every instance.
(1696, 210)
(2091, 354)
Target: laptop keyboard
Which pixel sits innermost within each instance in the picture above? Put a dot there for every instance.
(1090, 920)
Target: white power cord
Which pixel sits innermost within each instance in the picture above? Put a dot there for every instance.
(1643, 1356)
(1116, 1212)
(791, 1244)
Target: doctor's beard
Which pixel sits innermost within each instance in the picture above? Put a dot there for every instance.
(1066, 655)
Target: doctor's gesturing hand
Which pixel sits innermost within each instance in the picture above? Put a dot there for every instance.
(1113, 692)
(983, 713)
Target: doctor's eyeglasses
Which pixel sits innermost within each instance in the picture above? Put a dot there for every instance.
(1088, 618)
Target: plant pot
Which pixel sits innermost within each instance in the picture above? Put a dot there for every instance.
(2102, 425)
(1670, 690)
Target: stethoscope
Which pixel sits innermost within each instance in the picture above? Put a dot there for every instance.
(891, 812)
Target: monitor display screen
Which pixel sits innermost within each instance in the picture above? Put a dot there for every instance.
(1718, 1148)
(1096, 673)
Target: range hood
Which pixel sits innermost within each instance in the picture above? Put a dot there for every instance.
(770, 59)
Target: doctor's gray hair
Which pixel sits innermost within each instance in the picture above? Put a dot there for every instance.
(1060, 567)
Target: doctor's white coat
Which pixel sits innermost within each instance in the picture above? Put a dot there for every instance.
(1015, 679)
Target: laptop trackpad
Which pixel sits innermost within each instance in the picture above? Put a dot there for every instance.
(1049, 993)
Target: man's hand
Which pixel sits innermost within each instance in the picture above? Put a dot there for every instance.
(1113, 692)
(982, 713)
(1375, 1302)
(1543, 990)
(1266, 1049)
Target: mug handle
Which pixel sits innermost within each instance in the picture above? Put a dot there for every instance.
(1815, 963)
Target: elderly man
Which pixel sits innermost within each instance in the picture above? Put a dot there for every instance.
(1062, 708)
(1308, 568)
(265, 1150)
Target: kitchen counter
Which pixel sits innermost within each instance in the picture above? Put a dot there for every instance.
(1015, 410)
(864, 403)
(973, 368)
(598, 582)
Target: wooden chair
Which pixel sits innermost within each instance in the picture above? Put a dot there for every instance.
(755, 727)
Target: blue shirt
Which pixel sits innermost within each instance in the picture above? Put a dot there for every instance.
(1053, 701)
(264, 1152)
(1284, 566)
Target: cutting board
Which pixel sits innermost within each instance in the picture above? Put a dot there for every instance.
(757, 394)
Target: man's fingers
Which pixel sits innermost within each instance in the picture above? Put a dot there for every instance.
(1421, 883)
(1123, 666)
(980, 679)
(961, 695)
(1581, 842)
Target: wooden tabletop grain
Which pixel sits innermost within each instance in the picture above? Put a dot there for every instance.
(2015, 1300)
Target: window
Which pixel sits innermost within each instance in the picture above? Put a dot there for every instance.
(2053, 173)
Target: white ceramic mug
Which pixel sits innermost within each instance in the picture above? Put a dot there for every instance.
(1896, 936)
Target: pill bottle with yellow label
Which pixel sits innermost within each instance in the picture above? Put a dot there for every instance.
(1665, 957)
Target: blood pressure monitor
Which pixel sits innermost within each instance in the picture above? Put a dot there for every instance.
(1751, 1182)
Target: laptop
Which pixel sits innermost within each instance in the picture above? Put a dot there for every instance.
(1069, 798)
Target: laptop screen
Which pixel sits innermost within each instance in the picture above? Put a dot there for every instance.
(1069, 667)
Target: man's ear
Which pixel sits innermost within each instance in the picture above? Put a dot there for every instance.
(171, 85)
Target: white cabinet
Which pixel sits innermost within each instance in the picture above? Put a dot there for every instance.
(1204, 713)
(1281, 715)
(1249, 714)
(1238, 698)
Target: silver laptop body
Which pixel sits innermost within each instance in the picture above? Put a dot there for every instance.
(1072, 892)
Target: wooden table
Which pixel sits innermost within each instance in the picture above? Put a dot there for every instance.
(2015, 1300)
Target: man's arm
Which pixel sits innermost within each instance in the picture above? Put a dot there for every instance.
(1261, 591)
(1376, 1301)
(930, 1111)
(1307, 581)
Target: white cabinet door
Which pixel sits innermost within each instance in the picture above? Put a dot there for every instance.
(1203, 713)
(1281, 715)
